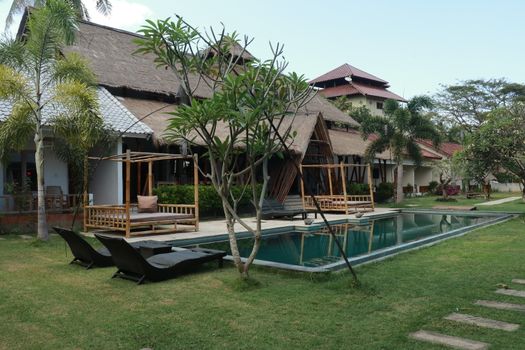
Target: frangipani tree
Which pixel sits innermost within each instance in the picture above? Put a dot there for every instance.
(398, 131)
(43, 85)
(249, 101)
(498, 145)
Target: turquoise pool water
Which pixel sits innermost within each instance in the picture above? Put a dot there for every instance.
(316, 248)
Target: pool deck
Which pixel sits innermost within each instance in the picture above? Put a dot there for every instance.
(212, 228)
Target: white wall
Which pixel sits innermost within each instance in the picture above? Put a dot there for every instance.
(423, 176)
(408, 175)
(106, 183)
(506, 187)
(55, 171)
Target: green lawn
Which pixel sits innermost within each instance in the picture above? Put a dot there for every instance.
(461, 200)
(47, 304)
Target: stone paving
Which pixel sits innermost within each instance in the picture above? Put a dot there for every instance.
(500, 201)
(470, 344)
(209, 228)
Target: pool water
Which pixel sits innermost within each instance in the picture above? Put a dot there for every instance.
(317, 248)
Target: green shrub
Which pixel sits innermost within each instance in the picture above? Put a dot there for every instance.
(432, 187)
(384, 192)
(357, 189)
(210, 204)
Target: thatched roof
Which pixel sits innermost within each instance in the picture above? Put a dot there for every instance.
(152, 113)
(109, 52)
(303, 125)
(319, 104)
(346, 143)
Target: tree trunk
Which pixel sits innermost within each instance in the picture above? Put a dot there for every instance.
(42, 232)
(399, 194)
(523, 192)
(230, 226)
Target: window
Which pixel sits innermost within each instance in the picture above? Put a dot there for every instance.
(379, 105)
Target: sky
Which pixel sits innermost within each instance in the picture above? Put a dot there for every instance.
(416, 45)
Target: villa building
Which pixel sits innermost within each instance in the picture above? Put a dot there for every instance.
(361, 88)
(135, 98)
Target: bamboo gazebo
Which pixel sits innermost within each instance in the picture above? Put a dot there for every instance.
(337, 199)
(127, 218)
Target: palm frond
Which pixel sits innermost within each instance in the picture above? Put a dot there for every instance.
(77, 98)
(13, 54)
(378, 145)
(104, 7)
(16, 8)
(13, 85)
(414, 152)
(374, 125)
(73, 67)
(16, 130)
(50, 27)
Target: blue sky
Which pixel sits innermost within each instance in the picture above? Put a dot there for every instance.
(415, 45)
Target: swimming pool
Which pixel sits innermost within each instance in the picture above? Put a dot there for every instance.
(314, 249)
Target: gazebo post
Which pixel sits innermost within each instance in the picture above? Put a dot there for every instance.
(302, 183)
(139, 178)
(150, 178)
(329, 168)
(343, 183)
(370, 187)
(128, 194)
(196, 189)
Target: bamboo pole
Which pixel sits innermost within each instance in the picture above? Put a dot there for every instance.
(128, 194)
(302, 184)
(85, 197)
(196, 189)
(330, 181)
(344, 186)
(150, 178)
(370, 187)
(139, 177)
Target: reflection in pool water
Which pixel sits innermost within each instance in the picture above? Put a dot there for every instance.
(317, 248)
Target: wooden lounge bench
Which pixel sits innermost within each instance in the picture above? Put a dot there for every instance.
(272, 209)
(471, 195)
(133, 266)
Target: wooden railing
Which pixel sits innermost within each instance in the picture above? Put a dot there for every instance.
(28, 203)
(111, 217)
(341, 203)
(177, 208)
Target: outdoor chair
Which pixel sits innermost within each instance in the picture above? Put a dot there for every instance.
(133, 266)
(84, 254)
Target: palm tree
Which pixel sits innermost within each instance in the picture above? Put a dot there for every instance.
(42, 85)
(103, 6)
(398, 131)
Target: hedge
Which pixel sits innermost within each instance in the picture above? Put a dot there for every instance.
(210, 204)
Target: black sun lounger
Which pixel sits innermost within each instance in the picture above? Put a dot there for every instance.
(84, 254)
(133, 266)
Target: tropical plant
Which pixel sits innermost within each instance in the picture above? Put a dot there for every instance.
(398, 131)
(43, 86)
(103, 6)
(358, 114)
(497, 146)
(468, 103)
(447, 171)
(246, 98)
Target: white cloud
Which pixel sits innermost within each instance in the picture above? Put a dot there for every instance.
(124, 14)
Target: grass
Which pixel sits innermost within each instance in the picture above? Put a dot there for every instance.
(47, 304)
(461, 200)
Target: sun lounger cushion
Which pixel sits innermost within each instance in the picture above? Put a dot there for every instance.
(171, 259)
(151, 217)
(147, 204)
